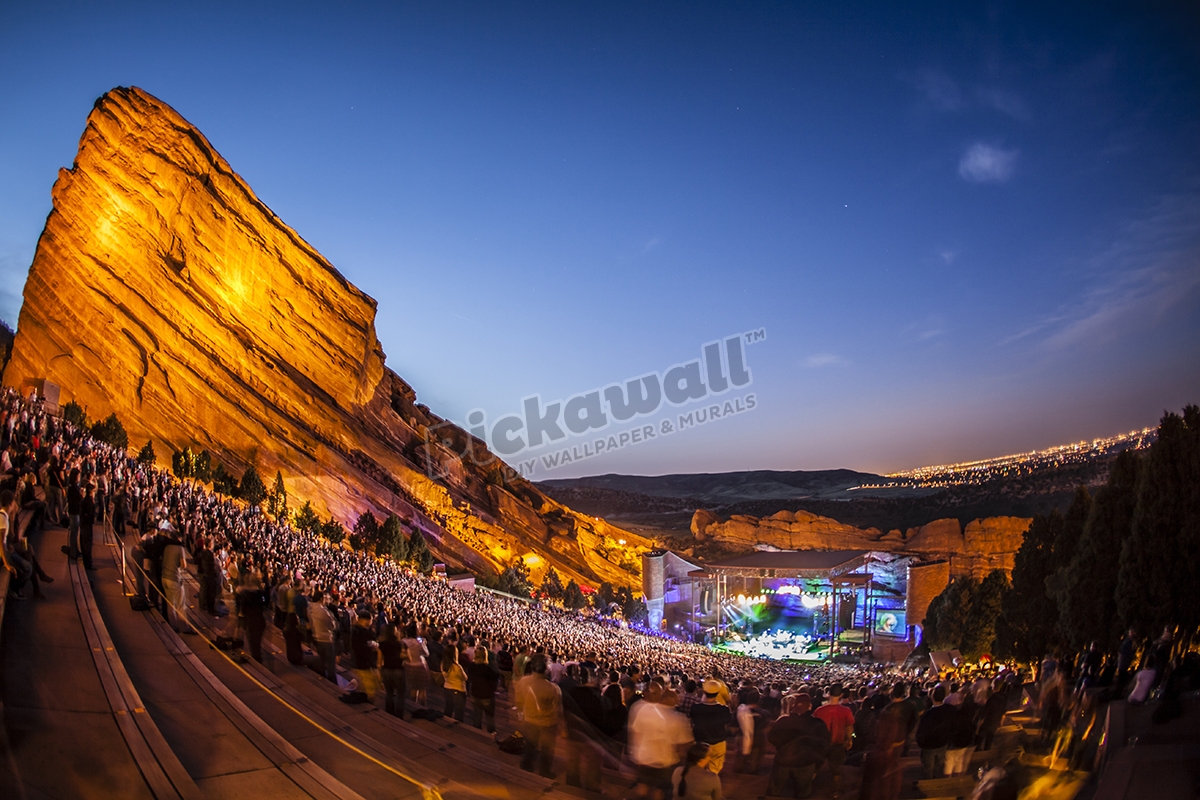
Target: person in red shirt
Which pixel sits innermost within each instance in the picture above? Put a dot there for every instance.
(840, 721)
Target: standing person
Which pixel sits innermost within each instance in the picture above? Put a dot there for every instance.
(519, 662)
(253, 603)
(504, 663)
(586, 724)
(416, 670)
(74, 502)
(292, 640)
(657, 734)
(881, 779)
(840, 722)
(55, 486)
(433, 644)
(120, 511)
(616, 715)
(154, 550)
(365, 654)
(482, 680)
(753, 722)
(392, 651)
(174, 561)
(141, 569)
(962, 737)
(694, 781)
(933, 734)
(1125, 656)
(539, 703)
(207, 575)
(322, 626)
(993, 714)
(710, 724)
(801, 743)
(454, 679)
(87, 526)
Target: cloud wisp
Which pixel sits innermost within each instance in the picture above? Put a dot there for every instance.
(983, 163)
(823, 360)
(1152, 266)
(943, 93)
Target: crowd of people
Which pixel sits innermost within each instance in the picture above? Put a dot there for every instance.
(675, 711)
(778, 645)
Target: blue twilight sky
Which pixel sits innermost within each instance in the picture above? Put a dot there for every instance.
(968, 230)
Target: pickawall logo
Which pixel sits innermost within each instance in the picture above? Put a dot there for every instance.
(721, 368)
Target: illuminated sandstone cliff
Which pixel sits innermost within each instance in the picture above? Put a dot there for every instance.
(984, 545)
(163, 289)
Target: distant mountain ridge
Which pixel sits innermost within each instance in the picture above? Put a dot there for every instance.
(728, 486)
(1019, 485)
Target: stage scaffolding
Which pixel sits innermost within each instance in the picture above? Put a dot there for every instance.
(837, 571)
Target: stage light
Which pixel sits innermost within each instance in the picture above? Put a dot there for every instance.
(741, 598)
(810, 601)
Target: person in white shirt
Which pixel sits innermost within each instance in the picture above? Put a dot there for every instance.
(657, 737)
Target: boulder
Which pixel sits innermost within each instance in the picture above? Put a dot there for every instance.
(701, 519)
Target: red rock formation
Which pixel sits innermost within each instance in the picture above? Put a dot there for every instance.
(163, 289)
(986, 544)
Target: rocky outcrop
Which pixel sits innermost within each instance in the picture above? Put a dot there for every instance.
(984, 545)
(163, 289)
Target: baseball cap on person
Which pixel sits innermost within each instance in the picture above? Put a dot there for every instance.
(712, 687)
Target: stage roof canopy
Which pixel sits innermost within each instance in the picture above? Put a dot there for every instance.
(787, 564)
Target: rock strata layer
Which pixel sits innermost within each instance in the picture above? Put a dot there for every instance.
(163, 289)
(984, 545)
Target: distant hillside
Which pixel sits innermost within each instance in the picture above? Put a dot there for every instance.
(663, 505)
(728, 487)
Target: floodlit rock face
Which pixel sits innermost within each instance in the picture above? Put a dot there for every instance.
(163, 289)
(984, 545)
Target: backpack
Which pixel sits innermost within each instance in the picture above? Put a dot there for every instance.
(514, 744)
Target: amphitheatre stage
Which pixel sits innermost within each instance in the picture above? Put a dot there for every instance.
(804, 606)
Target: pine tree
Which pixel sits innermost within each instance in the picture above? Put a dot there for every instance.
(632, 607)
(223, 482)
(277, 503)
(366, 532)
(1027, 628)
(392, 541)
(979, 633)
(604, 597)
(418, 553)
(1088, 604)
(947, 619)
(552, 585)
(1065, 545)
(333, 531)
(515, 580)
(146, 456)
(202, 467)
(1158, 583)
(183, 463)
(111, 432)
(73, 413)
(573, 596)
(252, 489)
(306, 520)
